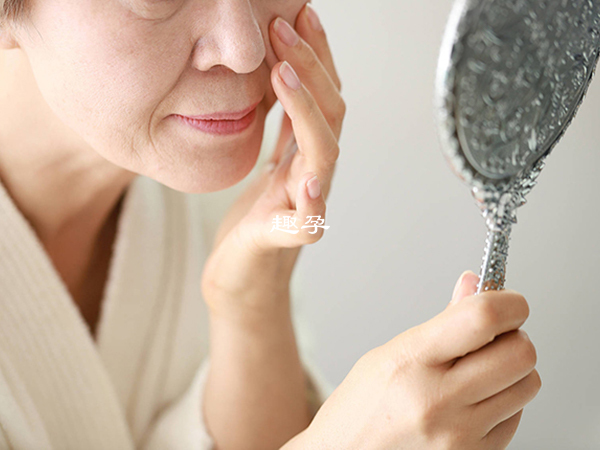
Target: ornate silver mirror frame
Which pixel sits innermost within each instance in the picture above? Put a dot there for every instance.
(511, 76)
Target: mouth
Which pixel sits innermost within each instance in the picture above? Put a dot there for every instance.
(221, 123)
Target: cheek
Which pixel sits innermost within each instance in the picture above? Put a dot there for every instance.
(104, 81)
(270, 9)
(111, 82)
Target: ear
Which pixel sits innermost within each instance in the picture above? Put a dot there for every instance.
(7, 39)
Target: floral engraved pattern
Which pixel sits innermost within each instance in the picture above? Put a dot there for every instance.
(511, 77)
(523, 69)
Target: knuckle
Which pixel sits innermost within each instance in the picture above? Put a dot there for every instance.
(383, 360)
(335, 153)
(332, 154)
(443, 398)
(536, 381)
(338, 113)
(526, 309)
(521, 301)
(426, 419)
(456, 434)
(341, 108)
(432, 420)
(426, 414)
(337, 82)
(313, 109)
(393, 357)
(485, 315)
(526, 350)
(336, 127)
(309, 58)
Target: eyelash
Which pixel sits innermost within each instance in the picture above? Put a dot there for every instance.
(151, 9)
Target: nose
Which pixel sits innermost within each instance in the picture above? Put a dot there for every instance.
(235, 40)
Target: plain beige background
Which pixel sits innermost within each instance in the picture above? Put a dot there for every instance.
(403, 227)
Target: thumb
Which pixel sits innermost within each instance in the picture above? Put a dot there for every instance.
(465, 286)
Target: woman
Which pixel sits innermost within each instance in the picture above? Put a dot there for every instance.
(113, 114)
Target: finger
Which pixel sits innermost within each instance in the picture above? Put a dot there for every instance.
(493, 368)
(310, 207)
(309, 215)
(503, 433)
(465, 286)
(289, 46)
(315, 139)
(505, 404)
(310, 28)
(289, 228)
(285, 140)
(469, 325)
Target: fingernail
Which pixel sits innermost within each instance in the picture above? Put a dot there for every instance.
(314, 187)
(473, 277)
(458, 284)
(289, 76)
(285, 32)
(467, 276)
(313, 18)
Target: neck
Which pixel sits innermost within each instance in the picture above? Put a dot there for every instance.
(63, 187)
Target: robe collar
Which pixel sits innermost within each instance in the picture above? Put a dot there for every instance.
(83, 390)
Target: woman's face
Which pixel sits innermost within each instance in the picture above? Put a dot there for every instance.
(121, 73)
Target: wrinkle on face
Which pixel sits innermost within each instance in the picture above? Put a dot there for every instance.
(117, 78)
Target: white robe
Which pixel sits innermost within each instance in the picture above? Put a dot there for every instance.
(141, 384)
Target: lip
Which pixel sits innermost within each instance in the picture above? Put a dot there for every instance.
(221, 127)
(225, 115)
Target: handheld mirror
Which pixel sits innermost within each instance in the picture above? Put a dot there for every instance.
(511, 76)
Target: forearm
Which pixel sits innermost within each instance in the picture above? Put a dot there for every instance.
(255, 391)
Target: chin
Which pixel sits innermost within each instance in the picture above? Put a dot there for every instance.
(216, 165)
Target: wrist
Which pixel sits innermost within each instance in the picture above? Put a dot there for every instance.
(251, 284)
(252, 312)
(256, 389)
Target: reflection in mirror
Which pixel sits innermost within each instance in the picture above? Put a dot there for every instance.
(511, 77)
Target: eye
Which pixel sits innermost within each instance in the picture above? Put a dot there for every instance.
(153, 9)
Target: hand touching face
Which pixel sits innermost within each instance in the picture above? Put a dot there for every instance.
(250, 266)
(128, 75)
